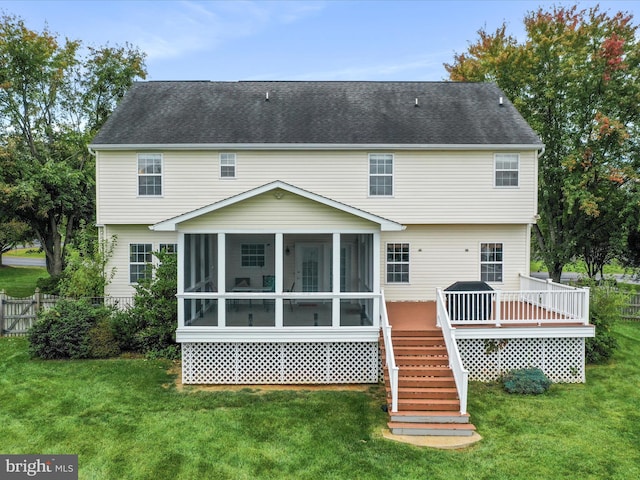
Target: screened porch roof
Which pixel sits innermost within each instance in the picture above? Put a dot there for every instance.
(278, 188)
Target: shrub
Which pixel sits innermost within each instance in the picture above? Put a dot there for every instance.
(49, 285)
(527, 380)
(604, 309)
(150, 325)
(102, 343)
(65, 330)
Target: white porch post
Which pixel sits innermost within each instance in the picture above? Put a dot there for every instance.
(222, 273)
(181, 255)
(377, 272)
(335, 287)
(279, 271)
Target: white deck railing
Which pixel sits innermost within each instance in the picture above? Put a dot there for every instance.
(390, 359)
(539, 301)
(460, 374)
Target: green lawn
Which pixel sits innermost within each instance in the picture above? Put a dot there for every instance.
(20, 281)
(25, 253)
(125, 419)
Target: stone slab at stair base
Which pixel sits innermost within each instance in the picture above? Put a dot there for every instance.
(445, 443)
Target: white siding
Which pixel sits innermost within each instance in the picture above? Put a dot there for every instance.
(438, 187)
(267, 213)
(441, 255)
(119, 262)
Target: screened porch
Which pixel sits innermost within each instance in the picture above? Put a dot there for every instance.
(278, 280)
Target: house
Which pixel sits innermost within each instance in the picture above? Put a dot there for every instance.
(300, 211)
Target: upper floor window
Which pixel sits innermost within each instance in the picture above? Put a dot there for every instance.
(397, 263)
(491, 266)
(381, 174)
(227, 165)
(150, 174)
(507, 168)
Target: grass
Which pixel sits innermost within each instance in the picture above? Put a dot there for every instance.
(580, 267)
(125, 419)
(25, 253)
(20, 281)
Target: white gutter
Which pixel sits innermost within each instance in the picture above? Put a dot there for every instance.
(313, 146)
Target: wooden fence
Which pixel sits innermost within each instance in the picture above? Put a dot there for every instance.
(631, 311)
(17, 315)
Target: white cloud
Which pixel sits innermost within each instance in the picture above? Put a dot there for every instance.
(186, 27)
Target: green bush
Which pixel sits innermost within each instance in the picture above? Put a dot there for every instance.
(149, 326)
(49, 285)
(65, 331)
(605, 305)
(526, 380)
(102, 343)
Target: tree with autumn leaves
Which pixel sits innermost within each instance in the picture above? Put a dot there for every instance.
(576, 79)
(54, 96)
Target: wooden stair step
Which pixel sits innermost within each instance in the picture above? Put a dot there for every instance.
(428, 404)
(406, 361)
(428, 393)
(419, 382)
(432, 429)
(419, 350)
(425, 371)
(418, 341)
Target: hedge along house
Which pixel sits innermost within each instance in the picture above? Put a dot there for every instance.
(300, 210)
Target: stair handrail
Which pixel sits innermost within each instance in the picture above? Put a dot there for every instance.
(390, 358)
(460, 374)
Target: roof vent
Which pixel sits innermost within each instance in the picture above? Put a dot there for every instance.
(266, 98)
(500, 102)
(417, 103)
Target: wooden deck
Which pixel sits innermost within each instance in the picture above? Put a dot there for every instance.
(412, 315)
(405, 316)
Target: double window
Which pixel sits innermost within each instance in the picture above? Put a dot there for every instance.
(397, 263)
(491, 262)
(380, 174)
(227, 165)
(140, 258)
(149, 174)
(507, 169)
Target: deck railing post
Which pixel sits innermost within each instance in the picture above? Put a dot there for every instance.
(2, 298)
(585, 312)
(498, 314)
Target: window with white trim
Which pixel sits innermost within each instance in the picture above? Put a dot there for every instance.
(380, 174)
(252, 255)
(227, 165)
(507, 169)
(149, 174)
(169, 247)
(397, 263)
(140, 258)
(491, 262)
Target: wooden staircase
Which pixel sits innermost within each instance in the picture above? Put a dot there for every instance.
(428, 401)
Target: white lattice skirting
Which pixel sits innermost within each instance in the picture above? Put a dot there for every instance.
(280, 363)
(561, 359)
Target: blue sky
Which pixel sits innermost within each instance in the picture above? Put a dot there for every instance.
(288, 40)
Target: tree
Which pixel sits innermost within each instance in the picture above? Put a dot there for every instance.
(11, 233)
(575, 80)
(53, 98)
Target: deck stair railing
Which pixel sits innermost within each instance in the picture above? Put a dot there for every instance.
(390, 359)
(460, 374)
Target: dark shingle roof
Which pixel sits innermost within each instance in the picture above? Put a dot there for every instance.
(449, 113)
